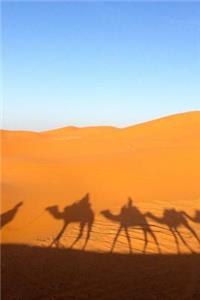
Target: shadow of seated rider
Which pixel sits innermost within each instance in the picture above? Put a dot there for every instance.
(82, 205)
(129, 211)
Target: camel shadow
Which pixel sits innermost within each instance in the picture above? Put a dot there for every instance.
(79, 212)
(195, 218)
(9, 215)
(131, 216)
(174, 219)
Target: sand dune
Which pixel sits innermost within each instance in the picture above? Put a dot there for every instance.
(156, 163)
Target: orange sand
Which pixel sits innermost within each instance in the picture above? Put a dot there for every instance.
(156, 163)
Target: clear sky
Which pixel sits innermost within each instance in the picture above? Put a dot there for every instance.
(95, 63)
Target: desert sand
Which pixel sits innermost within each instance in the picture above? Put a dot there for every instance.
(156, 163)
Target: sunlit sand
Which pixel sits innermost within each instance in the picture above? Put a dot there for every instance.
(156, 163)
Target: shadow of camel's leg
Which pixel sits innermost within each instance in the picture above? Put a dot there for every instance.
(184, 242)
(57, 238)
(82, 225)
(88, 234)
(176, 240)
(193, 232)
(115, 239)
(145, 241)
(128, 239)
(155, 240)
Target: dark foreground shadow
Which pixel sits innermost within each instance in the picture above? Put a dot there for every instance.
(31, 273)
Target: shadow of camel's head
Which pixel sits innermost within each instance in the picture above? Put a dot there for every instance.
(50, 208)
(19, 204)
(103, 212)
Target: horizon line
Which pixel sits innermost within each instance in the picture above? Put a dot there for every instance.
(105, 126)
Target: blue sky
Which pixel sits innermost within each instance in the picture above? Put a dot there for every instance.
(95, 63)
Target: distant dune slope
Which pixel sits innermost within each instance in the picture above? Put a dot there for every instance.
(156, 163)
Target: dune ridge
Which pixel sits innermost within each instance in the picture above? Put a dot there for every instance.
(156, 163)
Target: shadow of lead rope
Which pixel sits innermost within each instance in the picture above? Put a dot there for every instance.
(28, 223)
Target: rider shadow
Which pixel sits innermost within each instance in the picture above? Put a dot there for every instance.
(9, 215)
(174, 219)
(131, 216)
(79, 212)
